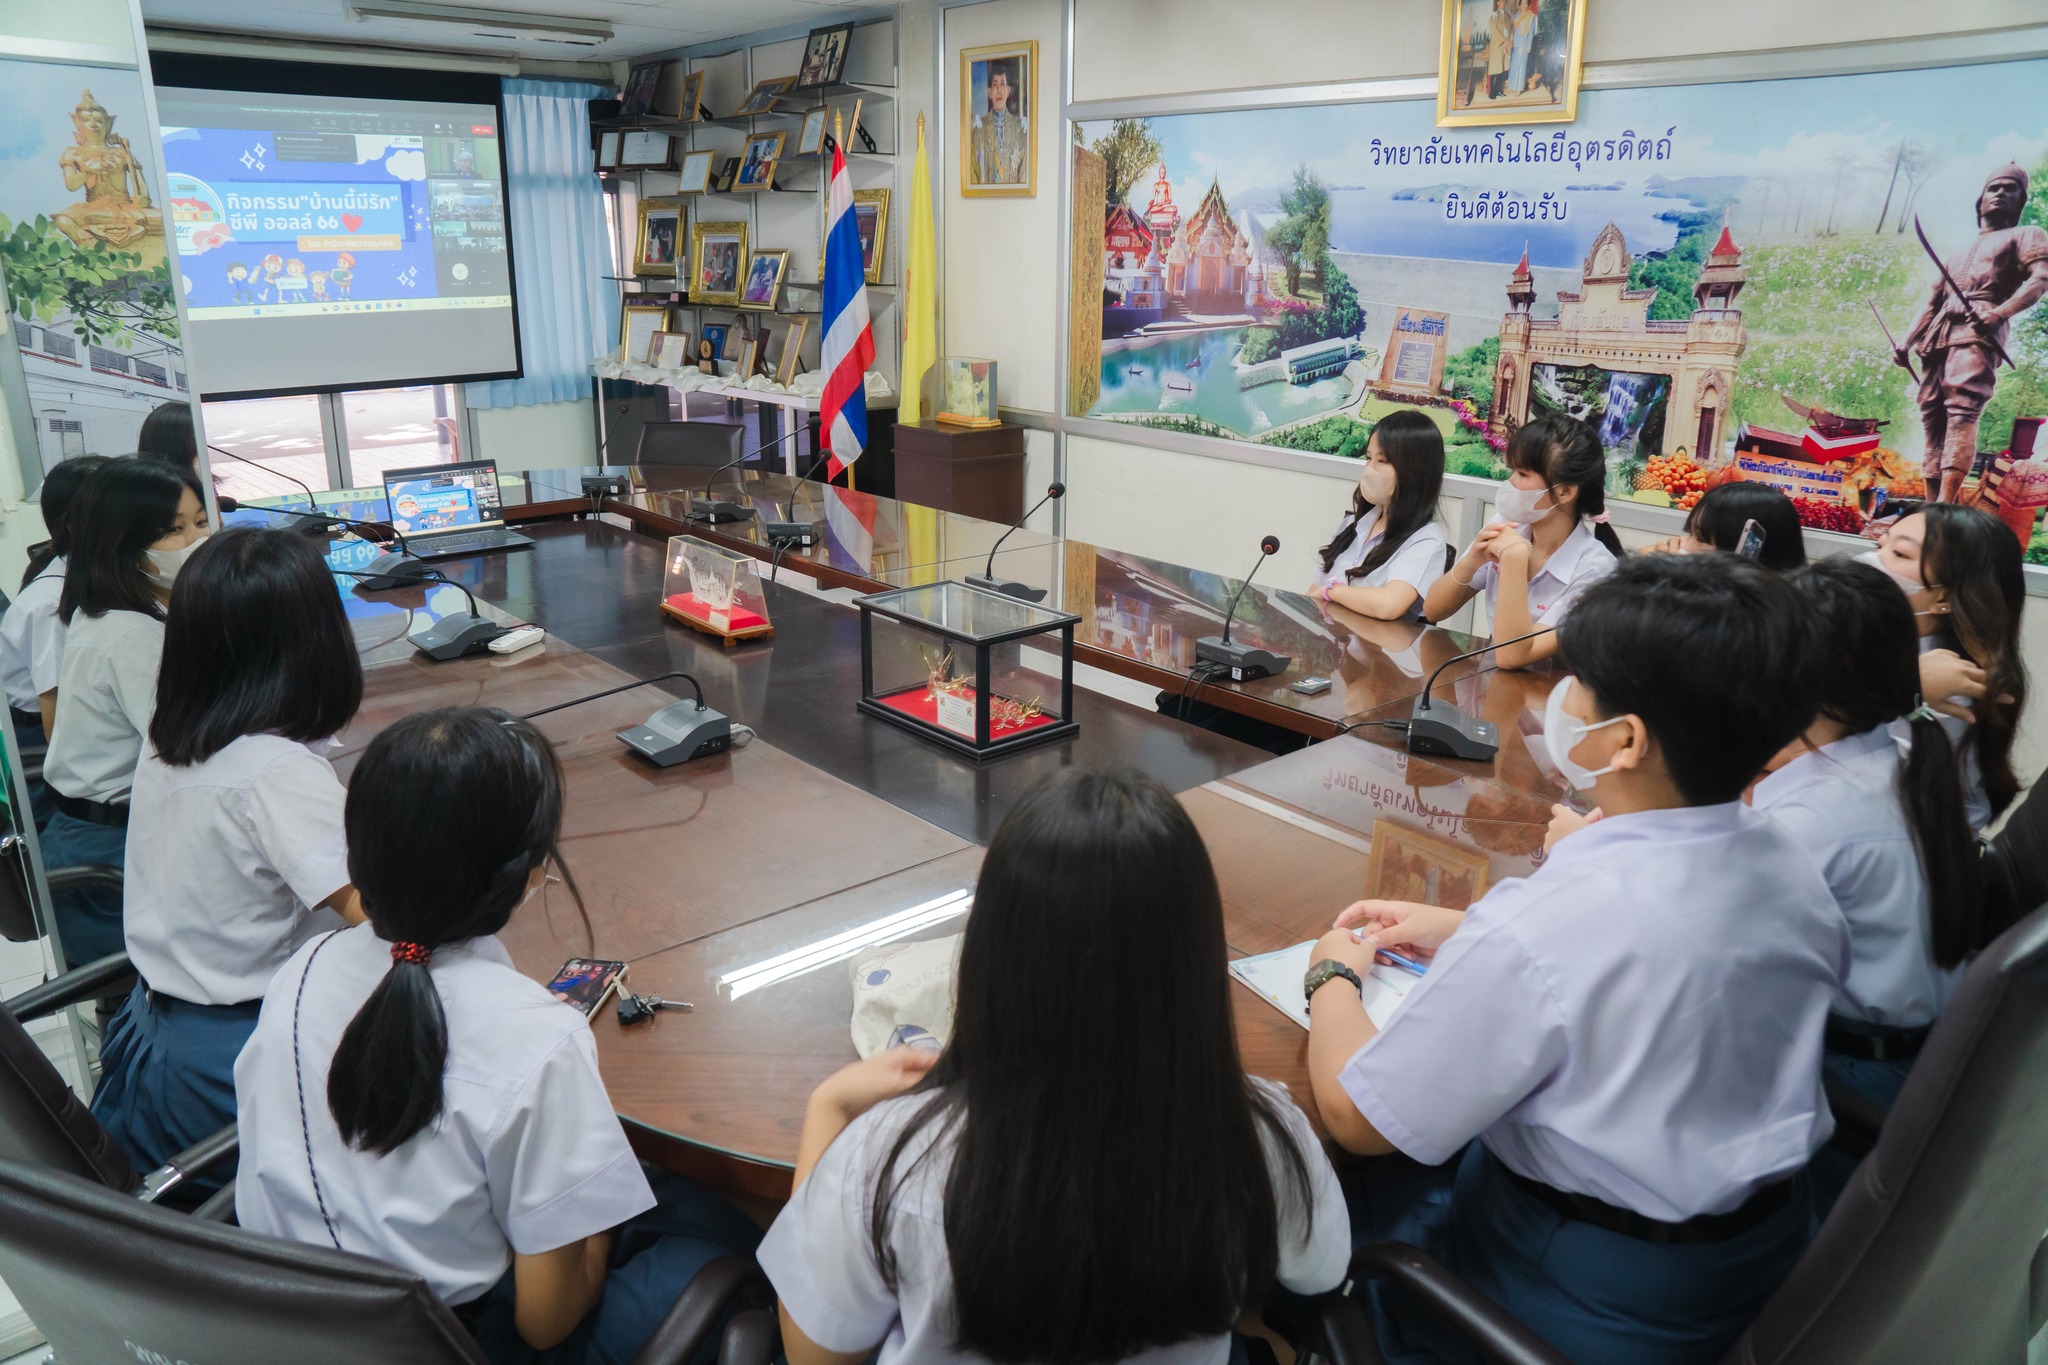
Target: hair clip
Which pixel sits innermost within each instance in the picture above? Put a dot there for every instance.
(1598, 518)
(1922, 711)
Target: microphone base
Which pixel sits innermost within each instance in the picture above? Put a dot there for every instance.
(715, 512)
(801, 534)
(451, 637)
(390, 570)
(1245, 662)
(606, 486)
(1008, 587)
(1440, 730)
(678, 733)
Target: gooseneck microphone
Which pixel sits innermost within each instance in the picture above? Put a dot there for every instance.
(1242, 662)
(678, 732)
(1009, 587)
(715, 510)
(452, 636)
(387, 570)
(311, 501)
(789, 531)
(1443, 730)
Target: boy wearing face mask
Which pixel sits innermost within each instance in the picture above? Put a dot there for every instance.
(1619, 1055)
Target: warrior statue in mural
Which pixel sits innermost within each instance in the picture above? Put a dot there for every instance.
(1960, 335)
(116, 210)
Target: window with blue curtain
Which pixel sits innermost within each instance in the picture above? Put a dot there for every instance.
(568, 313)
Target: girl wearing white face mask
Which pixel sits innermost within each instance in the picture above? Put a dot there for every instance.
(132, 524)
(1550, 541)
(1388, 550)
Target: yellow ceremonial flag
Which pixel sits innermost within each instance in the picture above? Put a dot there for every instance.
(920, 289)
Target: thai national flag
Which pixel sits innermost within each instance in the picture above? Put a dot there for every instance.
(849, 345)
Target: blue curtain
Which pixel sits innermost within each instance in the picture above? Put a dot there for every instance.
(568, 313)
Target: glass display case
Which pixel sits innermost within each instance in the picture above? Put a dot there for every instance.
(715, 590)
(968, 393)
(976, 671)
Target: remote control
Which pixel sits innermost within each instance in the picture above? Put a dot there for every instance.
(518, 638)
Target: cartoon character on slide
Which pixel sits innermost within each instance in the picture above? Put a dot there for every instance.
(292, 288)
(238, 280)
(273, 269)
(319, 286)
(343, 277)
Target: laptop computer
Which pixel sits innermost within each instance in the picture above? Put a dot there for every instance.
(445, 510)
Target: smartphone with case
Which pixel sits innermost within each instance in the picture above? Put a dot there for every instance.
(1310, 687)
(587, 982)
(1750, 543)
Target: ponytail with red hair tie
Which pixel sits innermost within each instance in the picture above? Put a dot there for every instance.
(415, 953)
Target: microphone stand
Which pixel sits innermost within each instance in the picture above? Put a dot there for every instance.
(1442, 729)
(715, 510)
(678, 732)
(1243, 662)
(311, 501)
(987, 580)
(789, 531)
(452, 636)
(387, 570)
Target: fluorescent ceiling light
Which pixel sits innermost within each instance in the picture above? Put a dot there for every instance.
(252, 45)
(500, 25)
(843, 945)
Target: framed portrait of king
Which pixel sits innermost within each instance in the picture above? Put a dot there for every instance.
(998, 120)
(1509, 61)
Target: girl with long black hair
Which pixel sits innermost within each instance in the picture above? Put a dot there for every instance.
(1085, 1174)
(133, 525)
(408, 1094)
(1886, 829)
(235, 844)
(1388, 550)
(1718, 520)
(1548, 543)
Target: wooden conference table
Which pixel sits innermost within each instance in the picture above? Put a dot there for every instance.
(829, 821)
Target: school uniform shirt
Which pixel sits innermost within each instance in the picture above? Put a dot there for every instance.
(1638, 1020)
(1577, 564)
(1418, 562)
(225, 859)
(32, 639)
(821, 1259)
(106, 694)
(527, 1155)
(1841, 804)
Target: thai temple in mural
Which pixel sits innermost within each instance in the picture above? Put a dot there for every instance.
(1163, 266)
(1606, 325)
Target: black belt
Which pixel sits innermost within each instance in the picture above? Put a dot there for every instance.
(114, 813)
(25, 719)
(1875, 1042)
(1699, 1230)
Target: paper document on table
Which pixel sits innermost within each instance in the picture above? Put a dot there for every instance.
(1276, 979)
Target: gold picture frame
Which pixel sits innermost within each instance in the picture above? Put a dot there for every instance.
(1491, 61)
(658, 243)
(695, 175)
(757, 162)
(760, 292)
(792, 350)
(810, 139)
(873, 244)
(761, 99)
(996, 159)
(718, 253)
(638, 322)
(749, 361)
(691, 106)
(1409, 865)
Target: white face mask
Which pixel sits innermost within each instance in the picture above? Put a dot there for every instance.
(1906, 585)
(1519, 505)
(1376, 482)
(165, 564)
(1562, 733)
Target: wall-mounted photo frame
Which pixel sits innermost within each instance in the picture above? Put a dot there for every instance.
(608, 150)
(824, 56)
(761, 99)
(757, 164)
(1509, 61)
(718, 253)
(695, 176)
(643, 149)
(636, 97)
(810, 139)
(658, 244)
(998, 120)
(792, 350)
(763, 283)
(871, 217)
(673, 351)
(638, 322)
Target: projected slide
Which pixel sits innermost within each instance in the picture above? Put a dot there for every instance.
(302, 223)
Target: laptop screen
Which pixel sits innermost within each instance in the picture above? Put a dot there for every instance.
(443, 497)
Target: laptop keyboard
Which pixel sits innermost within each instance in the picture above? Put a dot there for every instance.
(473, 542)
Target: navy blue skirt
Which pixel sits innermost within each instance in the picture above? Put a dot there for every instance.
(89, 918)
(167, 1077)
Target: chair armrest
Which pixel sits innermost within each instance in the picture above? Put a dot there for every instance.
(1497, 1335)
(219, 1206)
(1858, 1119)
(754, 1338)
(696, 1312)
(84, 874)
(80, 983)
(1341, 1331)
(188, 1163)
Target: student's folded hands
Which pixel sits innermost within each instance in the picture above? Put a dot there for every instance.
(1420, 929)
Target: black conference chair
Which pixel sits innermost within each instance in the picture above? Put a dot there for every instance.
(106, 1278)
(2016, 863)
(1935, 1252)
(703, 445)
(17, 907)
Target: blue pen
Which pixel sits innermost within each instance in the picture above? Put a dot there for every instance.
(1394, 959)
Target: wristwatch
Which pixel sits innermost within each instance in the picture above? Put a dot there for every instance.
(1320, 975)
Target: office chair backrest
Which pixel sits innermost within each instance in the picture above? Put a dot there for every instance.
(17, 906)
(108, 1278)
(1935, 1250)
(703, 444)
(43, 1122)
(2016, 864)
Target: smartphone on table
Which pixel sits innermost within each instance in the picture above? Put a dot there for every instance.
(587, 982)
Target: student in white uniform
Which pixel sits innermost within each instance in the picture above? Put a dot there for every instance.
(1886, 828)
(133, 526)
(409, 1095)
(235, 844)
(1961, 570)
(1085, 1174)
(31, 633)
(1619, 1055)
(1549, 541)
(1718, 519)
(1388, 549)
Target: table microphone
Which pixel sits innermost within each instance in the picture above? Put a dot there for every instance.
(230, 505)
(676, 733)
(1442, 730)
(452, 636)
(1009, 588)
(387, 570)
(1245, 662)
(790, 531)
(715, 510)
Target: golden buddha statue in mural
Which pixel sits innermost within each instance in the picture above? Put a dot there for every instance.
(116, 210)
